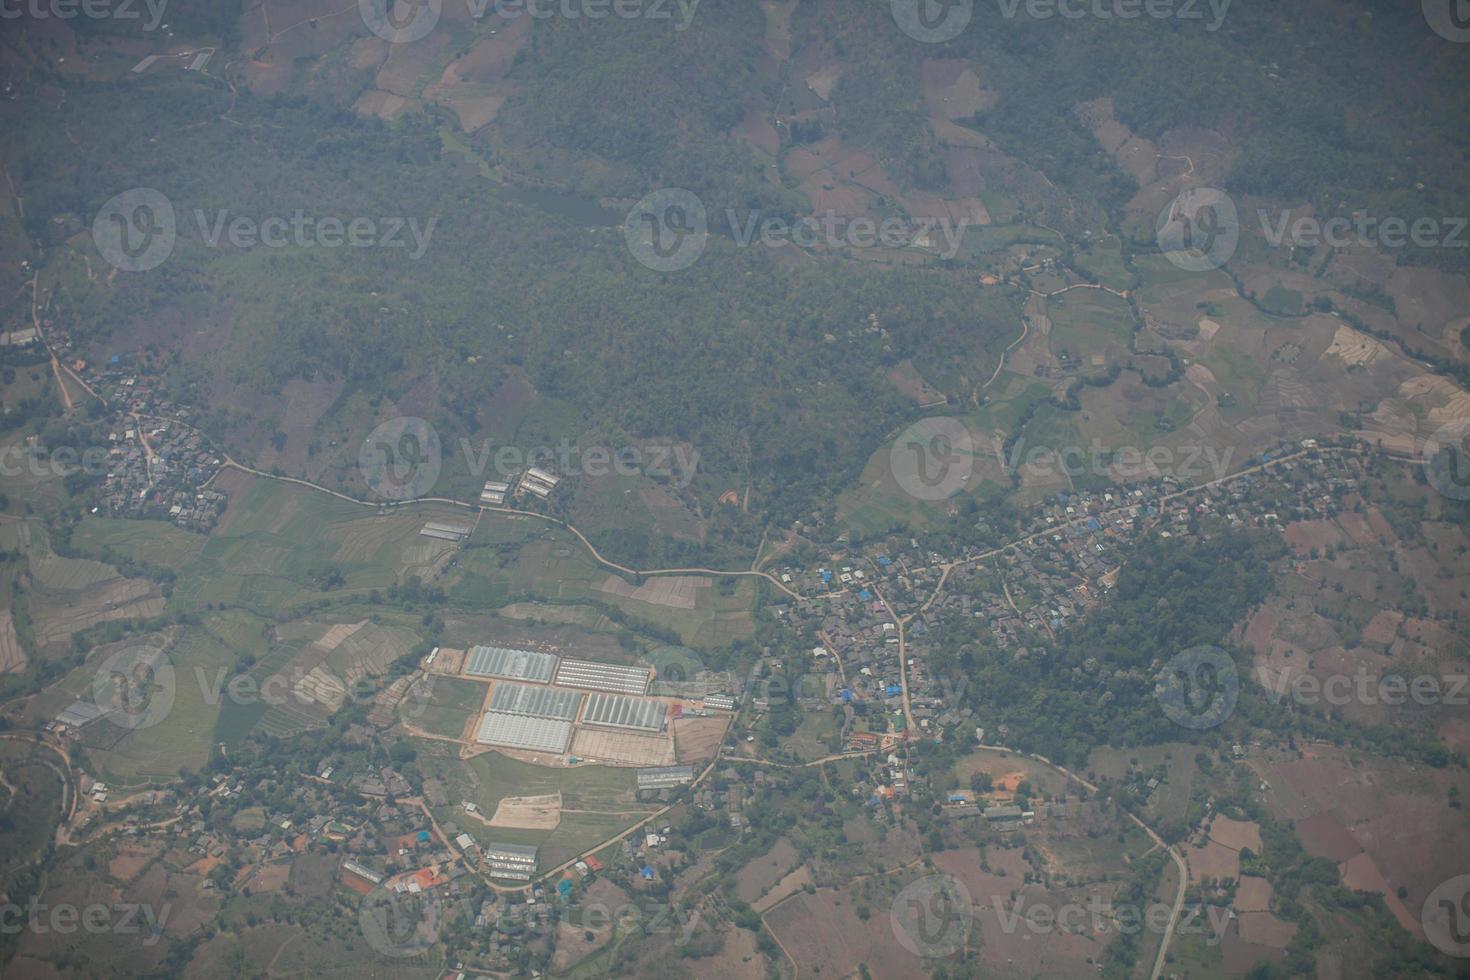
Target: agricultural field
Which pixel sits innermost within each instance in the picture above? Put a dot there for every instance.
(596, 801)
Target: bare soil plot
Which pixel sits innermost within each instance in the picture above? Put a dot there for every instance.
(528, 812)
(1395, 811)
(760, 875)
(787, 886)
(672, 591)
(952, 90)
(1324, 835)
(824, 932)
(130, 860)
(623, 748)
(698, 739)
(1253, 895)
(12, 657)
(1262, 625)
(1264, 929)
(1214, 860)
(1236, 834)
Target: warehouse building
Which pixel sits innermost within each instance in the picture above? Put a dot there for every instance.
(614, 678)
(720, 702)
(537, 702)
(516, 665)
(664, 777)
(516, 862)
(620, 711)
(520, 732)
(445, 532)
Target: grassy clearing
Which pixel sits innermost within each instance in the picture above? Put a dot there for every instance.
(597, 801)
(154, 542)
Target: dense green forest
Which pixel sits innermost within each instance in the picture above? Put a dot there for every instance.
(1095, 685)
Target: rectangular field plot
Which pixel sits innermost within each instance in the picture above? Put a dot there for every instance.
(516, 665)
(614, 678)
(618, 711)
(623, 747)
(520, 732)
(537, 702)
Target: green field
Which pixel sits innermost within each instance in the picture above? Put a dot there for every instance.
(603, 795)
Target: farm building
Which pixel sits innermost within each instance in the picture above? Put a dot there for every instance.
(720, 702)
(367, 874)
(516, 665)
(664, 777)
(615, 678)
(539, 482)
(537, 702)
(445, 532)
(520, 732)
(514, 861)
(79, 714)
(620, 711)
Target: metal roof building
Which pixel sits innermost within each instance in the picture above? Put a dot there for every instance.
(80, 713)
(517, 665)
(520, 732)
(514, 861)
(620, 711)
(538, 702)
(663, 777)
(615, 678)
